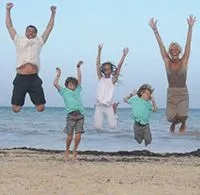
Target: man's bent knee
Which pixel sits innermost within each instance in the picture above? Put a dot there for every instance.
(40, 108)
(16, 108)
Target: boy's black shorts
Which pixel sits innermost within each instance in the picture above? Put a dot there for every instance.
(31, 84)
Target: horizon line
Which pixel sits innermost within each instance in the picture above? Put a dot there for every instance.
(84, 107)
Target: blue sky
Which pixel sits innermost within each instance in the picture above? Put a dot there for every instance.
(81, 25)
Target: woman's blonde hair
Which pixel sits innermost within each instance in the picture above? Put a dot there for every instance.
(174, 44)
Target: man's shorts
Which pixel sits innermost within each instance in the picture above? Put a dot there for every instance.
(31, 84)
(142, 132)
(75, 121)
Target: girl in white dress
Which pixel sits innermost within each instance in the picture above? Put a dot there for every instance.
(108, 75)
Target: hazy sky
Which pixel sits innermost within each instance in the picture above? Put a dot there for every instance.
(81, 25)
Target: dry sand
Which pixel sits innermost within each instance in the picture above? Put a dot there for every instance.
(34, 172)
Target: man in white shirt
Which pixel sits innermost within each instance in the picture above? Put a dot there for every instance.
(28, 62)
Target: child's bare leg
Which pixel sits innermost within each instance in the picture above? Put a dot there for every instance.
(68, 143)
(77, 141)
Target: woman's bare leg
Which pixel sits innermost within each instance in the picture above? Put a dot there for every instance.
(182, 127)
(172, 127)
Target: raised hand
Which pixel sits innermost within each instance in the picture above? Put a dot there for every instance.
(125, 51)
(9, 5)
(79, 64)
(53, 9)
(191, 20)
(100, 46)
(58, 72)
(153, 24)
(134, 92)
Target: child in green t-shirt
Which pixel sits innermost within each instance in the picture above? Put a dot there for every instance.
(74, 109)
(142, 106)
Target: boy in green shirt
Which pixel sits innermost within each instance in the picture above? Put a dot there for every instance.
(73, 107)
(142, 106)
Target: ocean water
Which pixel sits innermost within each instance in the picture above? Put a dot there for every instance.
(45, 130)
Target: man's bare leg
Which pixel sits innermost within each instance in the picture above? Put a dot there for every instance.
(68, 143)
(16, 108)
(77, 141)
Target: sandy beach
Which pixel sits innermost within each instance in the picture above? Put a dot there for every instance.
(25, 171)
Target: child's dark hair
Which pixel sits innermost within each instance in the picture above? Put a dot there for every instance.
(73, 80)
(31, 26)
(112, 67)
(143, 88)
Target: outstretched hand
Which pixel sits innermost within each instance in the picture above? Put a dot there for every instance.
(79, 64)
(153, 24)
(134, 92)
(58, 71)
(191, 20)
(125, 51)
(100, 46)
(53, 9)
(9, 5)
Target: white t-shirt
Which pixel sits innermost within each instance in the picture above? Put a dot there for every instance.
(28, 50)
(105, 92)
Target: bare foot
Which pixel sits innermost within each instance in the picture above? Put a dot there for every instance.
(172, 128)
(182, 128)
(75, 155)
(66, 155)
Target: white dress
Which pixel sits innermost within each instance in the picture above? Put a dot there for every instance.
(104, 103)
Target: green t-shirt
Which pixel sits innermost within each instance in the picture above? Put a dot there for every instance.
(72, 99)
(141, 109)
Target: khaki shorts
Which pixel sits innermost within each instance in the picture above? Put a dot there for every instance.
(142, 132)
(75, 121)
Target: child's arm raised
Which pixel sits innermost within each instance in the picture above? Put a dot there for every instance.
(115, 77)
(154, 104)
(79, 71)
(98, 62)
(50, 25)
(130, 96)
(58, 73)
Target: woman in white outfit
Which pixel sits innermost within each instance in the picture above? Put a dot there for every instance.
(108, 75)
